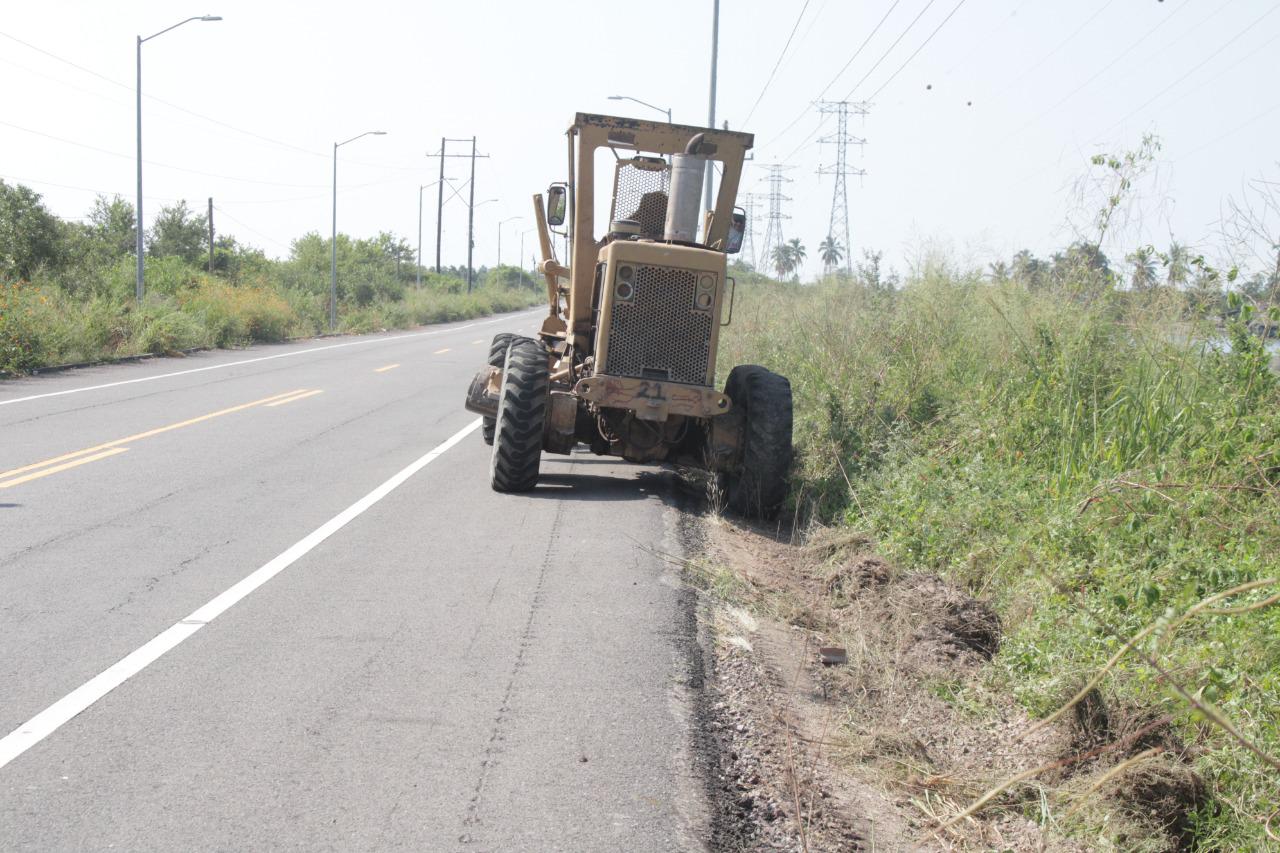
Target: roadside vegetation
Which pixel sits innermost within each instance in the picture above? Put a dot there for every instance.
(67, 287)
(1093, 450)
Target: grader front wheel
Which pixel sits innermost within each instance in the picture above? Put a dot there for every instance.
(522, 408)
(759, 484)
(497, 357)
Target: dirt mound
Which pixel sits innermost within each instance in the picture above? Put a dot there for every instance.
(1162, 793)
(950, 624)
(862, 572)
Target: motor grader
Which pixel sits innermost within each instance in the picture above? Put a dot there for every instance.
(625, 360)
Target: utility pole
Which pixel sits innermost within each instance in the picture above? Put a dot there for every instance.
(773, 238)
(473, 156)
(839, 223)
(210, 235)
(711, 109)
(471, 213)
(440, 203)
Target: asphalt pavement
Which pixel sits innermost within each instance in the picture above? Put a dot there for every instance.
(265, 599)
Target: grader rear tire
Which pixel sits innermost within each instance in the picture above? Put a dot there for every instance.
(759, 485)
(497, 356)
(522, 411)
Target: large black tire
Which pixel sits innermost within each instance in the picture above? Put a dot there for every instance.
(497, 357)
(759, 485)
(522, 410)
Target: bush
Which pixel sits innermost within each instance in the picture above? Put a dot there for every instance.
(162, 330)
(1094, 465)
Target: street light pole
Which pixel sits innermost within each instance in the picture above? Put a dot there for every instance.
(500, 224)
(666, 110)
(333, 241)
(139, 287)
(711, 109)
(421, 187)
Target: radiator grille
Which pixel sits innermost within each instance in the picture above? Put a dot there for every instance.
(658, 334)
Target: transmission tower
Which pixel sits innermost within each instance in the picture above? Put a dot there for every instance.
(749, 237)
(839, 226)
(773, 238)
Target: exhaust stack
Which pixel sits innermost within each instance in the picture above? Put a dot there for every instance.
(684, 205)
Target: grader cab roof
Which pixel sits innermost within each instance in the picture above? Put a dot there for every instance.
(659, 137)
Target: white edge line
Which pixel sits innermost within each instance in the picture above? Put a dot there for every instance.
(59, 713)
(260, 358)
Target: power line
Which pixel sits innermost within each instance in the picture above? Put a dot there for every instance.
(883, 57)
(251, 229)
(296, 148)
(105, 193)
(776, 65)
(1016, 79)
(917, 50)
(888, 51)
(839, 73)
(1196, 68)
(1129, 49)
(111, 153)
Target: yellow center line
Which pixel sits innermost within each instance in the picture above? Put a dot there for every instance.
(385, 368)
(294, 398)
(141, 435)
(441, 351)
(4, 484)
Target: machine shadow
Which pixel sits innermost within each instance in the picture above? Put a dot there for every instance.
(566, 485)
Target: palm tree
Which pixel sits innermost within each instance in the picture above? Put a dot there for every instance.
(795, 250)
(782, 260)
(832, 253)
(999, 271)
(1144, 269)
(1178, 264)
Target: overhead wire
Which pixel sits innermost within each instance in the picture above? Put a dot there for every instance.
(879, 61)
(251, 229)
(100, 192)
(839, 73)
(777, 64)
(1128, 50)
(219, 122)
(922, 46)
(155, 163)
(1195, 68)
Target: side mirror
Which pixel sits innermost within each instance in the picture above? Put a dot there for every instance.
(737, 228)
(556, 197)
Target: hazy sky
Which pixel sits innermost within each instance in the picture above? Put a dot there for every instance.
(973, 146)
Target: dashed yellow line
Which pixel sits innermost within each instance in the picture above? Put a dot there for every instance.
(4, 484)
(92, 454)
(441, 351)
(295, 398)
(385, 368)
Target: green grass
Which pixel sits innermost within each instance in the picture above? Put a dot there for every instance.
(1091, 466)
(43, 324)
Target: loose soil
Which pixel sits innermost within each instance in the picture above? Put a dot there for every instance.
(885, 751)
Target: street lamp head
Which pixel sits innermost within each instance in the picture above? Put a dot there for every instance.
(379, 132)
(615, 97)
(211, 17)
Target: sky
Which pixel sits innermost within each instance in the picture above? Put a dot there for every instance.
(981, 117)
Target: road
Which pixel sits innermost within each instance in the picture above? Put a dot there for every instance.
(266, 599)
